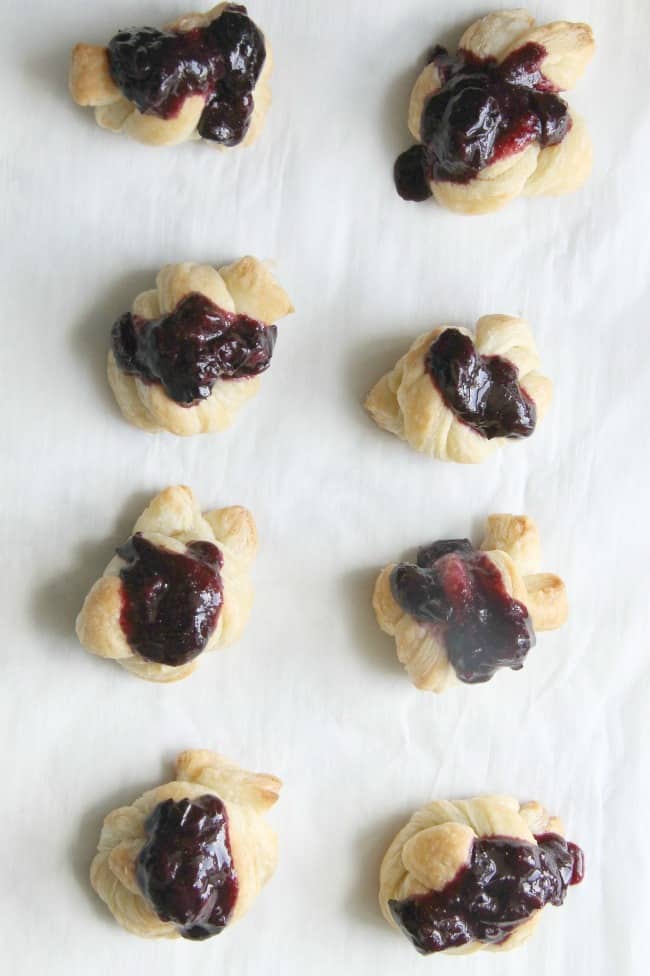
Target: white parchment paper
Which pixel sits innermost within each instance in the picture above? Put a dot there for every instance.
(313, 692)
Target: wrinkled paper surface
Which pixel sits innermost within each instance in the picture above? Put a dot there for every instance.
(313, 692)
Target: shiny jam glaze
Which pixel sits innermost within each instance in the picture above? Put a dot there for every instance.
(189, 349)
(157, 70)
(459, 591)
(185, 869)
(484, 112)
(171, 601)
(482, 391)
(504, 883)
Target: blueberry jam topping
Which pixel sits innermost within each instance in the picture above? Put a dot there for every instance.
(157, 70)
(410, 174)
(459, 591)
(483, 112)
(483, 391)
(504, 883)
(189, 349)
(171, 601)
(185, 868)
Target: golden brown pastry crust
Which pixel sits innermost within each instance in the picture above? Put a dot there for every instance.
(512, 543)
(91, 85)
(171, 520)
(246, 287)
(253, 843)
(406, 402)
(436, 843)
(536, 171)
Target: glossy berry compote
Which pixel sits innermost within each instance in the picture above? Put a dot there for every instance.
(171, 601)
(505, 882)
(483, 112)
(459, 591)
(483, 391)
(185, 868)
(157, 70)
(192, 347)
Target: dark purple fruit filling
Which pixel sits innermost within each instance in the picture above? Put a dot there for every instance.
(426, 556)
(185, 868)
(483, 391)
(483, 112)
(171, 601)
(459, 590)
(504, 883)
(410, 174)
(221, 118)
(157, 70)
(189, 349)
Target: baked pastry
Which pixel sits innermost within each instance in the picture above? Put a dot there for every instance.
(459, 398)
(189, 857)
(489, 122)
(177, 588)
(191, 351)
(458, 614)
(204, 76)
(476, 874)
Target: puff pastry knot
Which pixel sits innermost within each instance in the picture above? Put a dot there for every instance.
(459, 614)
(489, 122)
(191, 351)
(458, 397)
(476, 874)
(190, 857)
(179, 587)
(204, 76)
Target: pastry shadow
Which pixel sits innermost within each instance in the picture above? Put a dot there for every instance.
(394, 111)
(362, 901)
(90, 336)
(55, 603)
(50, 68)
(84, 838)
(356, 595)
(368, 361)
(49, 71)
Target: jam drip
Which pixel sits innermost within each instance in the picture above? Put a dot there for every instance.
(185, 868)
(192, 347)
(157, 70)
(171, 601)
(459, 591)
(484, 112)
(504, 883)
(483, 391)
